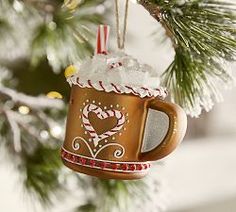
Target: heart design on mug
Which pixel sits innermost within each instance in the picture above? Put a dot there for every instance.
(101, 114)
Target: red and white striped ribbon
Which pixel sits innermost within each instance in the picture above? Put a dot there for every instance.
(102, 39)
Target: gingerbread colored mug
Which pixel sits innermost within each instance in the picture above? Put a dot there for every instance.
(105, 130)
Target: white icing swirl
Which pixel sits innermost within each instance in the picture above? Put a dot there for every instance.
(120, 73)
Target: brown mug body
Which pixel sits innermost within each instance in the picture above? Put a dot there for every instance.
(104, 133)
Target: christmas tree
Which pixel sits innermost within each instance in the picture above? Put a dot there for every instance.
(39, 39)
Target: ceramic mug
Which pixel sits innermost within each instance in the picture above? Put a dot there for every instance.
(104, 133)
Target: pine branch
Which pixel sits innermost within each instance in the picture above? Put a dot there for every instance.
(42, 168)
(156, 13)
(4, 26)
(37, 160)
(40, 102)
(203, 35)
(15, 130)
(118, 195)
(64, 28)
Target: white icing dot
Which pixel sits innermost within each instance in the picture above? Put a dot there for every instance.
(84, 103)
(113, 138)
(117, 105)
(127, 121)
(123, 108)
(105, 108)
(106, 141)
(81, 125)
(80, 110)
(111, 106)
(124, 128)
(99, 103)
(87, 100)
(94, 150)
(127, 114)
(120, 134)
(93, 101)
(85, 132)
(90, 139)
(100, 146)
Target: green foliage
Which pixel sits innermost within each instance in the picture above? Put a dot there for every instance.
(51, 30)
(35, 156)
(203, 34)
(114, 195)
(4, 26)
(42, 167)
(88, 207)
(120, 194)
(65, 37)
(41, 76)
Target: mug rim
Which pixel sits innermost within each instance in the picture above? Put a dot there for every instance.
(141, 91)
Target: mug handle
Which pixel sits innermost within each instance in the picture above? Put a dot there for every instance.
(175, 134)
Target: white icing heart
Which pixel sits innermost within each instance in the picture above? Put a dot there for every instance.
(101, 114)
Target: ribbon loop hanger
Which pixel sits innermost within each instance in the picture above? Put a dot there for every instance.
(121, 35)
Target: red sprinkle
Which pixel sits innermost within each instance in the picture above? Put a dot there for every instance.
(114, 166)
(82, 161)
(139, 167)
(92, 163)
(145, 166)
(132, 167)
(124, 166)
(103, 165)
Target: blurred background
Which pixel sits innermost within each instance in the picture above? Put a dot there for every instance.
(35, 48)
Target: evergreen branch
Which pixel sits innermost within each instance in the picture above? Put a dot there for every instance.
(37, 161)
(40, 102)
(62, 29)
(203, 34)
(42, 168)
(4, 26)
(15, 130)
(90, 3)
(115, 195)
(197, 87)
(119, 193)
(88, 207)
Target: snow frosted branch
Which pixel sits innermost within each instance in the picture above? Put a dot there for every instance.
(40, 102)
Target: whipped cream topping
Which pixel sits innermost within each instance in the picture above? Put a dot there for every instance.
(120, 73)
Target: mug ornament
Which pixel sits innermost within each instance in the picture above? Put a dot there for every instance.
(110, 99)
